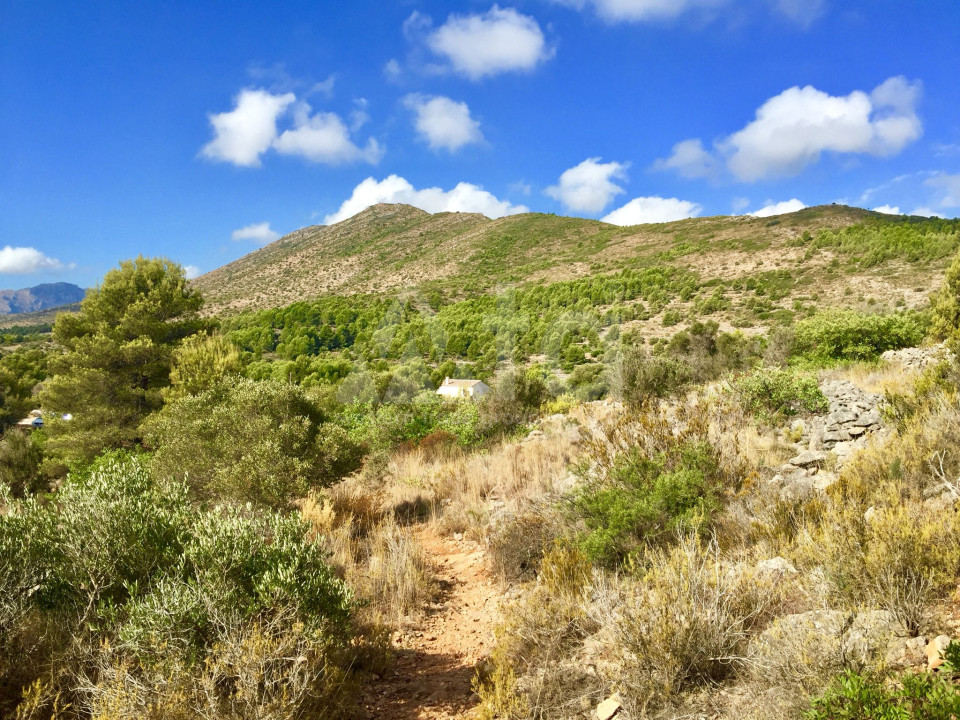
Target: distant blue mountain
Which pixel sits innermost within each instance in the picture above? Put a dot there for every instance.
(40, 297)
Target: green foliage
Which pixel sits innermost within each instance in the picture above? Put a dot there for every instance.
(21, 371)
(20, 456)
(201, 361)
(835, 334)
(117, 358)
(515, 399)
(945, 319)
(854, 696)
(638, 376)
(244, 440)
(647, 499)
(770, 393)
(124, 560)
(912, 240)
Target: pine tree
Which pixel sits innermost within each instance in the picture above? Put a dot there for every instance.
(117, 358)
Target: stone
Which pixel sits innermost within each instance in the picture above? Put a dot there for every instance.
(836, 436)
(906, 653)
(870, 514)
(855, 431)
(776, 566)
(809, 457)
(867, 419)
(824, 480)
(871, 633)
(797, 490)
(608, 708)
(843, 417)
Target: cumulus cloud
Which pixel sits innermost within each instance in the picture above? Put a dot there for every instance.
(324, 138)
(887, 210)
(465, 197)
(926, 212)
(28, 260)
(244, 134)
(260, 233)
(588, 187)
(191, 271)
(640, 10)
(476, 46)
(655, 209)
(780, 208)
(793, 129)
(949, 186)
(801, 12)
(444, 123)
(690, 160)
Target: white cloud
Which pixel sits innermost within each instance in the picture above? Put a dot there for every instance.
(497, 41)
(640, 10)
(260, 233)
(588, 187)
(888, 210)
(690, 160)
(950, 189)
(780, 208)
(803, 12)
(793, 129)
(28, 260)
(248, 131)
(444, 123)
(465, 197)
(740, 203)
(643, 210)
(391, 69)
(926, 212)
(243, 134)
(323, 138)
(191, 271)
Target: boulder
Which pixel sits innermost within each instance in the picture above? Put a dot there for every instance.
(808, 458)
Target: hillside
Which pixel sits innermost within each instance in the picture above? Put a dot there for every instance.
(394, 248)
(39, 297)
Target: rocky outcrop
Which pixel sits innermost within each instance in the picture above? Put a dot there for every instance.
(917, 358)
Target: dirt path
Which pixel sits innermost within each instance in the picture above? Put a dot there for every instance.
(435, 660)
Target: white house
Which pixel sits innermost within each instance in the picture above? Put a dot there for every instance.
(463, 388)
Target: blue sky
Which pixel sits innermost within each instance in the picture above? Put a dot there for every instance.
(202, 130)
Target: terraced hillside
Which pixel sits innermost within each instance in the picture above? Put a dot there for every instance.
(391, 248)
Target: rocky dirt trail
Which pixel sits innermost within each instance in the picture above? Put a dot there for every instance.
(436, 659)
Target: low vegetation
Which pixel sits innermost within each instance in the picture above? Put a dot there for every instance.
(232, 517)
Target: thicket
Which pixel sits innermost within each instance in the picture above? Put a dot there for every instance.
(848, 335)
(771, 394)
(123, 597)
(871, 244)
(248, 441)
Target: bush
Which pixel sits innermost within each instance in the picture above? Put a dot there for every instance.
(835, 334)
(770, 394)
(647, 500)
(243, 440)
(639, 377)
(945, 320)
(20, 457)
(862, 697)
(515, 399)
(137, 595)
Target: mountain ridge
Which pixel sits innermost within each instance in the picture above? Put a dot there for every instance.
(395, 248)
(39, 297)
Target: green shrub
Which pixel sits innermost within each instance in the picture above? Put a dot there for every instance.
(770, 394)
(945, 320)
(645, 500)
(244, 440)
(20, 457)
(638, 376)
(860, 697)
(837, 334)
(158, 592)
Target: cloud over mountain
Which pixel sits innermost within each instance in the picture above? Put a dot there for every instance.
(654, 209)
(588, 187)
(792, 130)
(443, 123)
(464, 197)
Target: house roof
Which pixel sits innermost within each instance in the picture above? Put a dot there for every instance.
(449, 382)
